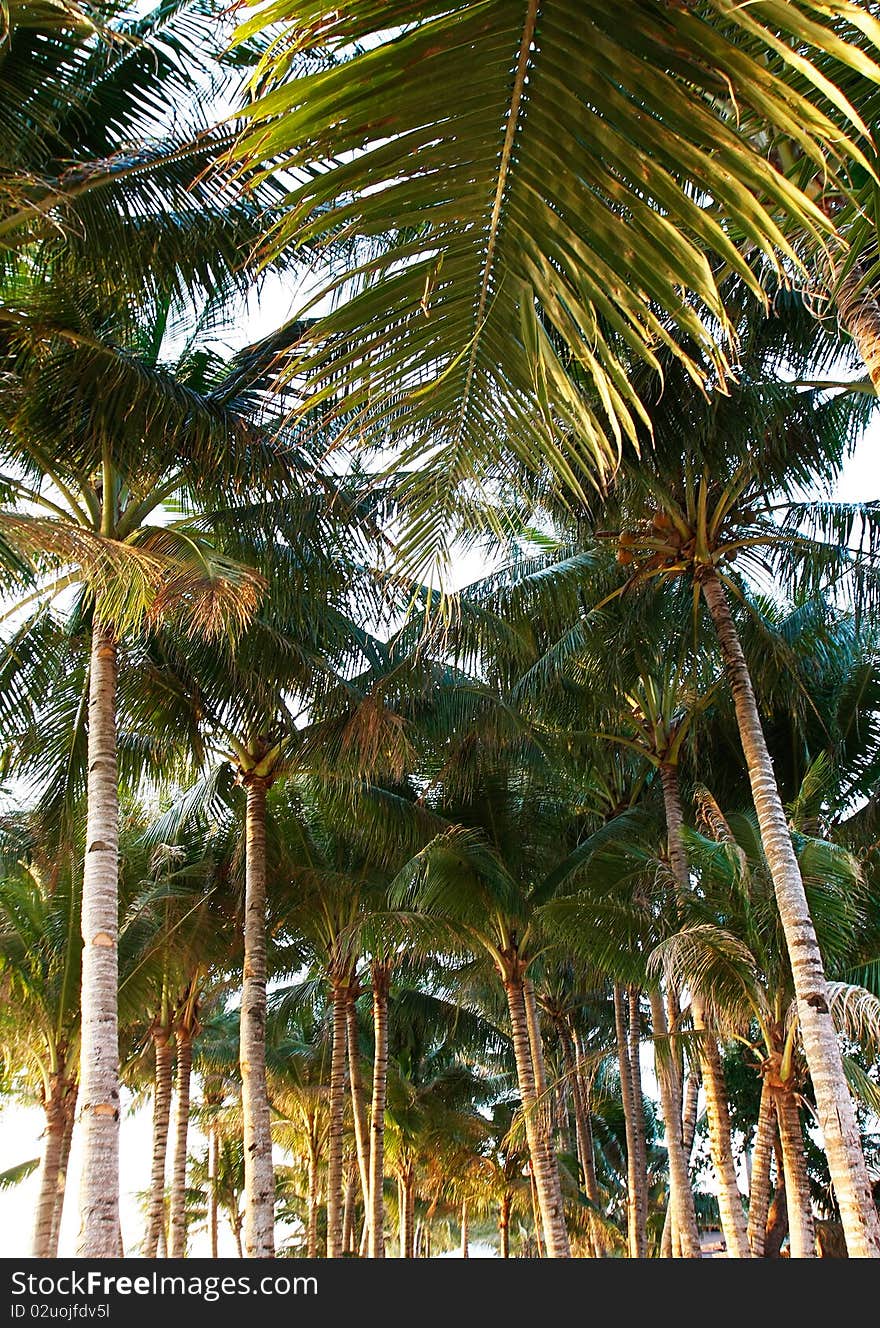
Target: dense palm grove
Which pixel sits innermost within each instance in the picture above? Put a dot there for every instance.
(543, 911)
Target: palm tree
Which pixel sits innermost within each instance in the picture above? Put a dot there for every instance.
(98, 535)
(555, 220)
(39, 963)
(733, 927)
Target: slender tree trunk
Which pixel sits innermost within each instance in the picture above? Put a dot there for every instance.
(465, 1230)
(314, 1203)
(536, 1212)
(380, 978)
(837, 1119)
(504, 1226)
(635, 1063)
(177, 1206)
(99, 1049)
(681, 1196)
(635, 1219)
(213, 1152)
(801, 1228)
(733, 1221)
(759, 1189)
(411, 1217)
(545, 1169)
(163, 1056)
(61, 1185)
(777, 1217)
(50, 1167)
(339, 997)
(236, 1233)
(729, 1199)
(351, 1180)
(406, 1209)
(358, 1104)
(583, 1128)
(259, 1173)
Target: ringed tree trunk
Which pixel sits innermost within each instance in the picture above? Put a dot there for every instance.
(406, 1206)
(837, 1120)
(61, 1187)
(545, 1169)
(314, 1203)
(777, 1217)
(56, 1110)
(733, 1220)
(177, 1206)
(635, 1064)
(465, 1230)
(236, 1234)
(339, 998)
(759, 1190)
(801, 1228)
(504, 1226)
(381, 977)
(358, 1105)
(351, 1182)
(635, 1216)
(583, 1128)
(213, 1153)
(259, 1174)
(729, 1199)
(681, 1195)
(163, 1056)
(99, 1048)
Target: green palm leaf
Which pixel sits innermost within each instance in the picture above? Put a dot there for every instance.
(537, 187)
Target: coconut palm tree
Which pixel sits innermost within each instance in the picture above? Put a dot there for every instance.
(39, 962)
(733, 925)
(558, 219)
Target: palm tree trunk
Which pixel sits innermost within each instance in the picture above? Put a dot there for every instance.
(380, 978)
(53, 1147)
(406, 1209)
(163, 1057)
(759, 1189)
(635, 1064)
(351, 1180)
(536, 1211)
(733, 1222)
(61, 1186)
(99, 1047)
(236, 1234)
(837, 1120)
(801, 1228)
(635, 1220)
(729, 1200)
(681, 1195)
(545, 1169)
(504, 1226)
(213, 1152)
(358, 1105)
(177, 1205)
(339, 998)
(465, 1230)
(583, 1128)
(777, 1216)
(259, 1173)
(411, 1217)
(314, 1201)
